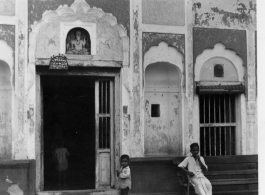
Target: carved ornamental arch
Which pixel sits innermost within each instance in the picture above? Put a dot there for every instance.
(109, 33)
(219, 51)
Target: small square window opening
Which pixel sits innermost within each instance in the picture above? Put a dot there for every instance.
(155, 110)
(218, 70)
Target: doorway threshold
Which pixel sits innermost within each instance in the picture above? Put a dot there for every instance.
(81, 192)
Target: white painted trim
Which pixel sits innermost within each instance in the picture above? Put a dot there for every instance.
(163, 29)
(9, 20)
(219, 51)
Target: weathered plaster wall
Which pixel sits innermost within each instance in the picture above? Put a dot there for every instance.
(146, 34)
(205, 38)
(136, 133)
(7, 46)
(21, 138)
(109, 45)
(170, 12)
(151, 39)
(231, 14)
(163, 133)
(7, 34)
(240, 17)
(120, 9)
(7, 7)
(5, 111)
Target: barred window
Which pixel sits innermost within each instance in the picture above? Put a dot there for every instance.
(104, 114)
(217, 124)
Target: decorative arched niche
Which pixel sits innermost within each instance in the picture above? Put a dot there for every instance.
(108, 39)
(77, 42)
(6, 65)
(163, 100)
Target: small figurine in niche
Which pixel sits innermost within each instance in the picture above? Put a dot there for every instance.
(78, 42)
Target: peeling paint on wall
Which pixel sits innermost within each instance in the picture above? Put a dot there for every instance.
(7, 33)
(30, 114)
(236, 14)
(173, 40)
(205, 38)
(136, 139)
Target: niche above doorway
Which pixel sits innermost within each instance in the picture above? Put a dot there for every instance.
(78, 38)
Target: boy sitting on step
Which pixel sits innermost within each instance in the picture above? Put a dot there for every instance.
(196, 165)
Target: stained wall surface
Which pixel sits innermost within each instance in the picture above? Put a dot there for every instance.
(5, 111)
(163, 128)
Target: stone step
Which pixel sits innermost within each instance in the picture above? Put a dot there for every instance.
(81, 192)
(234, 181)
(245, 192)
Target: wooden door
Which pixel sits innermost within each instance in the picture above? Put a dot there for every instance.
(104, 133)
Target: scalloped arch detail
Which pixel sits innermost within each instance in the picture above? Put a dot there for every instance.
(163, 53)
(79, 9)
(219, 50)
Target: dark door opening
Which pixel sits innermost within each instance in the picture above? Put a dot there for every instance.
(69, 119)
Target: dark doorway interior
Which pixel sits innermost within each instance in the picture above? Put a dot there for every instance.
(69, 105)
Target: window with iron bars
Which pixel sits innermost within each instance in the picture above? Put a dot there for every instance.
(217, 124)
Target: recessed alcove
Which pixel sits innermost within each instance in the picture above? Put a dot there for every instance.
(78, 42)
(162, 109)
(5, 111)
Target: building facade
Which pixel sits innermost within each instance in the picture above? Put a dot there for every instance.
(144, 78)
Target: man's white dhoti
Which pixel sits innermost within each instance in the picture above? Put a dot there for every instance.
(201, 185)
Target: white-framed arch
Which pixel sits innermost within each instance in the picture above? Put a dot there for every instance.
(158, 57)
(7, 55)
(220, 51)
(164, 53)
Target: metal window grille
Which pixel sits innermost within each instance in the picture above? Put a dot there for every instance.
(217, 124)
(104, 114)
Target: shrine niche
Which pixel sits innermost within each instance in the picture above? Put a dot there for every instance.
(78, 42)
(87, 36)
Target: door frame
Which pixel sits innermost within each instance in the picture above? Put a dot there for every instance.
(114, 74)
